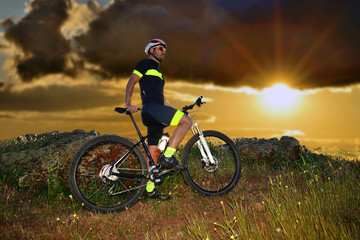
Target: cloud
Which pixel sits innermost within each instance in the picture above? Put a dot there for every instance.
(273, 132)
(5, 115)
(57, 98)
(226, 43)
(43, 48)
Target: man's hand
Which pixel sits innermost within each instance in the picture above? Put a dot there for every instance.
(134, 79)
(132, 108)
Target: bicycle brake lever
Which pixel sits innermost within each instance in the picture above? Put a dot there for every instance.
(199, 101)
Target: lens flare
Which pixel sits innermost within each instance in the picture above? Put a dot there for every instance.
(280, 99)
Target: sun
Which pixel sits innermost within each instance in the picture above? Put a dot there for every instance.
(280, 99)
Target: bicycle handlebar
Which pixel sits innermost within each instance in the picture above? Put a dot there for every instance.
(198, 103)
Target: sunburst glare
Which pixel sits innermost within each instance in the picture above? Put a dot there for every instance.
(280, 99)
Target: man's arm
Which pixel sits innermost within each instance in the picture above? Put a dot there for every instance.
(134, 79)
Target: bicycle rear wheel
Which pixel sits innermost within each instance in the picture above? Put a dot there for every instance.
(212, 180)
(113, 193)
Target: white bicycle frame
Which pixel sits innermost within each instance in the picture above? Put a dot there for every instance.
(202, 145)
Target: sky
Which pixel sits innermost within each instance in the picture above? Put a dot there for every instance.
(267, 68)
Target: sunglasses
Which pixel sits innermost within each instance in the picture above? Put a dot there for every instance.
(161, 48)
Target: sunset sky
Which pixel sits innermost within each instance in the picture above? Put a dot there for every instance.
(266, 68)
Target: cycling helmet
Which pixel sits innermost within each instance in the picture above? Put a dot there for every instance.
(153, 43)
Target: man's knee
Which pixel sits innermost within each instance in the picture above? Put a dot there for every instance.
(186, 121)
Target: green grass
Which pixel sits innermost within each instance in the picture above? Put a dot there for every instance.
(316, 197)
(318, 209)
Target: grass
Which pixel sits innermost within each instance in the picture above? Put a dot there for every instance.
(316, 197)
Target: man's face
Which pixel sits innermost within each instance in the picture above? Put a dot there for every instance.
(159, 52)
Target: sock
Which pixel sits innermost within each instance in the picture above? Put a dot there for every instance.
(169, 152)
(150, 186)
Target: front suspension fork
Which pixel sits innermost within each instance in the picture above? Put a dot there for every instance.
(202, 145)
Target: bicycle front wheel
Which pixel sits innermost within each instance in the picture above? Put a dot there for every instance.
(112, 193)
(213, 180)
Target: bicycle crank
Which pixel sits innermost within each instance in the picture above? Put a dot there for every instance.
(154, 174)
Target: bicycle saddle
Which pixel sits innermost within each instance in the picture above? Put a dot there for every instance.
(120, 109)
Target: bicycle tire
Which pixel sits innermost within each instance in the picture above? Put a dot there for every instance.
(90, 190)
(209, 181)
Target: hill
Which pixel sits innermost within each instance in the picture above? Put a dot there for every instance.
(286, 192)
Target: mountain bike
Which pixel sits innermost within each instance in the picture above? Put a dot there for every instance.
(109, 173)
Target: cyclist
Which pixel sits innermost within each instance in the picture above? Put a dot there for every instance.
(157, 112)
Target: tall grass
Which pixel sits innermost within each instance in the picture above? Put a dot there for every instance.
(316, 201)
(326, 209)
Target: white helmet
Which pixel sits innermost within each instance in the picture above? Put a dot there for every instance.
(153, 43)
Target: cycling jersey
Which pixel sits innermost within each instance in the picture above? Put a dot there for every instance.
(152, 81)
(154, 114)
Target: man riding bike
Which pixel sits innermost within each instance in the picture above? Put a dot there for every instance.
(157, 112)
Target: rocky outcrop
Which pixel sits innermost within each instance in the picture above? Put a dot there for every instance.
(269, 150)
(44, 159)
(40, 159)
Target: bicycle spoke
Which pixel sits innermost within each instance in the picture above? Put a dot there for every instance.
(96, 186)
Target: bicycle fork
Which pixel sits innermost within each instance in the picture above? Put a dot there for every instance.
(203, 146)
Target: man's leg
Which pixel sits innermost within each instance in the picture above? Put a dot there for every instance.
(180, 132)
(151, 192)
(155, 153)
(182, 128)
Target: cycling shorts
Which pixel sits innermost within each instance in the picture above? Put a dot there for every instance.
(156, 117)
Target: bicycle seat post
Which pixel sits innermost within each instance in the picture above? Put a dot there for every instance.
(135, 125)
(142, 139)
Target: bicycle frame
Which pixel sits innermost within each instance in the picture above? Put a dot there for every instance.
(110, 165)
(125, 155)
(202, 145)
(142, 140)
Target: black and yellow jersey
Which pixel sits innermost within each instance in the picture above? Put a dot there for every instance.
(151, 82)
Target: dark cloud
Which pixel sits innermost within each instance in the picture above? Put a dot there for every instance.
(226, 42)
(58, 98)
(44, 48)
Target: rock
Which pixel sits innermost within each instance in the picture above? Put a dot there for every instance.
(291, 148)
(94, 132)
(40, 159)
(21, 139)
(269, 150)
(78, 131)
